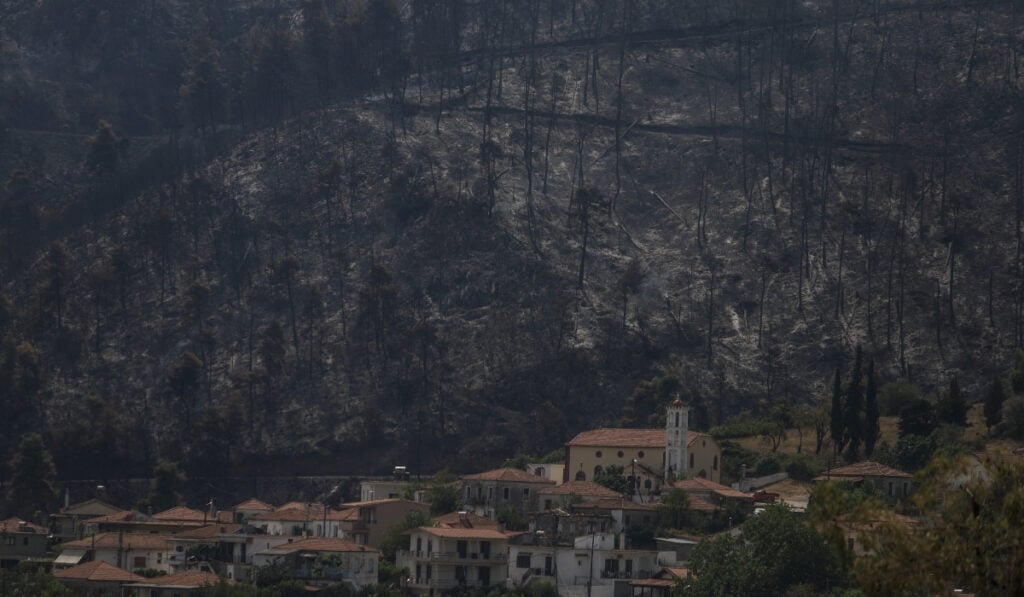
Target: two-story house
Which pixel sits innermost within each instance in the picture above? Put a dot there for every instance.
(96, 578)
(440, 560)
(571, 492)
(324, 561)
(486, 493)
(69, 523)
(369, 522)
(21, 540)
(130, 551)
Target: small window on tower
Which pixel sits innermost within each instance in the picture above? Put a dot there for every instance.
(620, 453)
(640, 454)
(691, 459)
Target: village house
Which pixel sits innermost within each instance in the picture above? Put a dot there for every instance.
(647, 456)
(368, 523)
(892, 483)
(207, 546)
(704, 491)
(242, 512)
(440, 560)
(96, 578)
(625, 515)
(570, 492)
(133, 521)
(22, 541)
(324, 561)
(595, 564)
(180, 584)
(301, 519)
(485, 493)
(463, 520)
(131, 551)
(552, 471)
(664, 583)
(69, 523)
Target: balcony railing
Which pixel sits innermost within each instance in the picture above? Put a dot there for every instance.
(454, 556)
(444, 583)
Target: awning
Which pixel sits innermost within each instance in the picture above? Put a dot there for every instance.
(70, 557)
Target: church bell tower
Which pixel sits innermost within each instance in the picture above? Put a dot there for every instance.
(676, 432)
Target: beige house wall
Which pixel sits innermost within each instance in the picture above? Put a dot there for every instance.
(585, 458)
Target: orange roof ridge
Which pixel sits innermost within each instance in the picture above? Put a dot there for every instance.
(509, 475)
(97, 571)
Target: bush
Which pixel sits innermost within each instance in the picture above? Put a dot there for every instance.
(742, 428)
(767, 464)
(803, 467)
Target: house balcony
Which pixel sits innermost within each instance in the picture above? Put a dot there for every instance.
(443, 584)
(455, 557)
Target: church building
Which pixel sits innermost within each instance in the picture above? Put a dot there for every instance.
(649, 456)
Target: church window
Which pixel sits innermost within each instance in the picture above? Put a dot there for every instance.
(581, 476)
(691, 459)
(598, 454)
(640, 454)
(714, 464)
(620, 453)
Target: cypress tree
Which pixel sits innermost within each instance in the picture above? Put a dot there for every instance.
(854, 405)
(952, 407)
(871, 429)
(837, 423)
(994, 403)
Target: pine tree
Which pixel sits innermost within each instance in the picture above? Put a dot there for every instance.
(837, 422)
(854, 404)
(994, 403)
(871, 429)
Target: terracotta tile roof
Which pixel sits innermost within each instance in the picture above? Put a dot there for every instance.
(324, 544)
(122, 516)
(864, 469)
(73, 508)
(126, 540)
(253, 504)
(464, 520)
(382, 501)
(699, 504)
(624, 438)
(508, 475)
(617, 503)
(182, 513)
(492, 534)
(188, 579)
(700, 485)
(210, 531)
(17, 525)
(581, 488)
(298, 505)
(97, 571)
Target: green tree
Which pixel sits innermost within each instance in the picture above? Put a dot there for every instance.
(776, 551)
(994, 403)
(854, 405)
(917, 418)
(33, 475)
(613, 477)
(31, 582)
(675, 509)
(165, 486)
(837, 423)
(968, 538)
(396, 540)
(871, 426)
(443, 492)
(951, 407)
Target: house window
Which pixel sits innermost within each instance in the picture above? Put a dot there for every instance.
(648, 484)
(691, 459)
(526, 492)
(24, 541)
(469, 492)
(490, 493)
(140, 562)
(611, 566)
(849, 543)
(539, 471)
(627, 519)
(906, 489)
(890, 489)
(547, 504)
(523, 560)
(10, 541)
